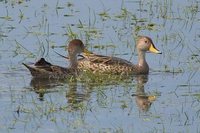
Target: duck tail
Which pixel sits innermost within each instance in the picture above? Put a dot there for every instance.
(34, 71)
(27, 66)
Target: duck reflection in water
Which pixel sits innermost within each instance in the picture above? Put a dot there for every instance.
(42, 86)
(142, 99)
(75, 93)
(79, 92)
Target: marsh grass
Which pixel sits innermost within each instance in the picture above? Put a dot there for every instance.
(20, 49)
(7, 17)
(100, 79)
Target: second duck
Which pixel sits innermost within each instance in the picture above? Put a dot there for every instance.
(115, 65)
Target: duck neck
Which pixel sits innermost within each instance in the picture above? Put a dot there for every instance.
(142, 64)
(73, 61)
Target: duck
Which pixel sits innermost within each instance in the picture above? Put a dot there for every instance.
(115, 65)
(44, 69)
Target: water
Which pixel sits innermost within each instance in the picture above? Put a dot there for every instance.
(170, 94)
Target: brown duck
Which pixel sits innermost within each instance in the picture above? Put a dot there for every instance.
(44, 69)
(115, 65)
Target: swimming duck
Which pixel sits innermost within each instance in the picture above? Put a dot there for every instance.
(44, 69)
(115, 65)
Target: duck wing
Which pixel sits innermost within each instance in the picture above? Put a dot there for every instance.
(108, 60)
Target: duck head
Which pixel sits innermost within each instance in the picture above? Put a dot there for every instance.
(75, 48)
(145, 44)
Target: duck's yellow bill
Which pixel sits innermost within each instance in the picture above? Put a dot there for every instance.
(153, 49)
(151, 98)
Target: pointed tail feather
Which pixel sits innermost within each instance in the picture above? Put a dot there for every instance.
(27, 66)
(35, 71)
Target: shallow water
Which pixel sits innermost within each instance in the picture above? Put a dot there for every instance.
(168, 100)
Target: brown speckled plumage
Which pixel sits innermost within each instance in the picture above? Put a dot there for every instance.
(115, 65)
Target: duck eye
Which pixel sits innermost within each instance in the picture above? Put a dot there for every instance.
(145, 41)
